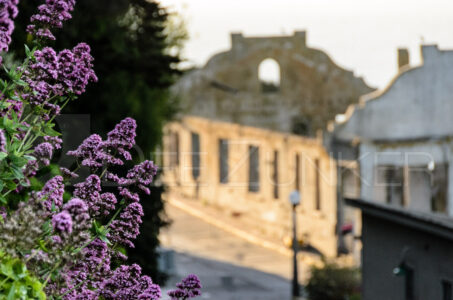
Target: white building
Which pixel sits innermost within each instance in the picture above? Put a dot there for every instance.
(402, 136)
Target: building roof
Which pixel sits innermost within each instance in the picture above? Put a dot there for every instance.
(431, 223)
(415, 105)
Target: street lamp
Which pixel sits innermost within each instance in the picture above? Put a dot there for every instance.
(294, 199)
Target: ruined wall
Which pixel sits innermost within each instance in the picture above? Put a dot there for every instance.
(268, 207)
(313, 89)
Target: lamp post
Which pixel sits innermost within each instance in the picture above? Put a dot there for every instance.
(294, 199)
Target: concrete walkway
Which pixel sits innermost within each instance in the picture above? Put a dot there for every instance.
(228, 263)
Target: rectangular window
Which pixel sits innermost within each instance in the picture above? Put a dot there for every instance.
(439, 184)
(391, 179)
(275, 174)
(297, 170)
(174, 149)
(446, 290)
(254, 171)
(195, 140)
(318, 185)
(223, 161)
(395, 185)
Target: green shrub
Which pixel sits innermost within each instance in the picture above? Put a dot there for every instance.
(333, 282)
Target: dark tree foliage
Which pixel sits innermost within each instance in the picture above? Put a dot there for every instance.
(128, 41)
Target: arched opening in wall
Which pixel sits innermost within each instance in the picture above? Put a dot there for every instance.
(269, 75)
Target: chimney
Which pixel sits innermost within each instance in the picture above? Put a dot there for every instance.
(236, 39)
(300, 38)
(403, 58)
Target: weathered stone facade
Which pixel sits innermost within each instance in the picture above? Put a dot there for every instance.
(312, 89)
(402, 136)
(251, 172)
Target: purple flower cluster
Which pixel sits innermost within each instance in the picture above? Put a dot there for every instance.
(15, 106)
(189, 287)
(2, 141)
(76, 68)
(8, 11)
(68, 174)
(94, 152)
(90, 191)
(127, 227)
(51, 195)
(142, 175)
(54, 141)
(95, 264)
(62, 222)
(69, 71)
(122, 137)
(127, 283)
(78, 210)
(43, 153)
(50, 15)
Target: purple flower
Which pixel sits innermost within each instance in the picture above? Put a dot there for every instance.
(189, 287)
(50, 15)
(8, 11)
(78, 210)
(89, 150)
(15, 106)
(76, 68)
(68, 174)
(62, 222)
(3, 213)
(89, 190)
(107, 204)
(142, 174)
(127, 283)
(52, 193)
(122, 138)
(2, 141)
(92, 153)
(50, 74)
(43, 153)
(128, 195)
(126, 228)
(54, 141)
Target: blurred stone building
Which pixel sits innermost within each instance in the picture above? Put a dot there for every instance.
(401, 136)
(248, 135)
(250, 172)
(277, 83)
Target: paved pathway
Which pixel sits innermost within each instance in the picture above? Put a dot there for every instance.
(229, 267)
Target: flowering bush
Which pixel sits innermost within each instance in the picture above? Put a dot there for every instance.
(52, 246)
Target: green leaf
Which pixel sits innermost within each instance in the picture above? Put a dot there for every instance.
(49, 131)
(12, 292)
(29, 157)
(42, 245)
(7, 269)
(17, 172)
(3, 155)
(11, 185)
(18, 161)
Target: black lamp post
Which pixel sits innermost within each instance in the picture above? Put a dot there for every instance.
(294, 199)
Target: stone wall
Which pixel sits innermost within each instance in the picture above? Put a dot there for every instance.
(266, 203)
(312, 89)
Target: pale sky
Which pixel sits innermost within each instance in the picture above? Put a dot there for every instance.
(359, 35)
